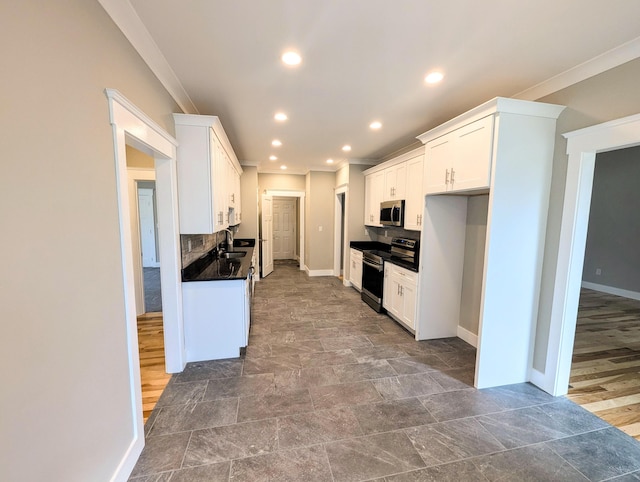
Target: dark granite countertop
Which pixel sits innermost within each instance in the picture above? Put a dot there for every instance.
(211, 267)
(377, 245)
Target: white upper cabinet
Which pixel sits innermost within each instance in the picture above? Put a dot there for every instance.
(414, 199)
(373, 195)
(205, 161)
(460, 160)
(395, 182)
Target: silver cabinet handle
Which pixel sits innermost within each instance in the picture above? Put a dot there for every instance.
(446, 177)
(453, 173)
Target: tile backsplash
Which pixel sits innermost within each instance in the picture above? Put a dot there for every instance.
(195, 245)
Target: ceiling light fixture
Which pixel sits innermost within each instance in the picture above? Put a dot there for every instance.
(276, 143)
(375, 125)
(273, 158)
(291, 58)
(280, 116)
(329, 161)
(434, 77)
(283, 167)
(346, 148)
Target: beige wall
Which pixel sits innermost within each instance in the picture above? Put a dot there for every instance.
(282, 182)
(65, 402)
(610, 95)
(249, 193)
(139, 159)
(320, 222)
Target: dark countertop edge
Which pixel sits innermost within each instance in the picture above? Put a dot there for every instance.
(194, 273)
(402, 264)
(364, 245)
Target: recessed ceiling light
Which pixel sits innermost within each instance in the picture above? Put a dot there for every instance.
(283, 167)
(273, 158)
(375, 125)
(346, 148)
(276, 143)
(434, 77)
(329, 161)
(291, 58)
(280, 116)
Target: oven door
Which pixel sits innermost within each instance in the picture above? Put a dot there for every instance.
(372, 280)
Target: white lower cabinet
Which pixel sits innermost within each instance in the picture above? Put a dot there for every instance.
(216, 318)
(355, 270)
(400, 294)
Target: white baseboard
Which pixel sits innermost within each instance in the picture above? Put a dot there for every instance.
(129, 460)
(319, 272)
(346, 282)
(539, 379)
(467, 336)
(633, 295)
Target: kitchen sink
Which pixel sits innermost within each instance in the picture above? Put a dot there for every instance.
(233, 254)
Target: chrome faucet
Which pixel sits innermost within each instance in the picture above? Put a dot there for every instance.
(229, 239)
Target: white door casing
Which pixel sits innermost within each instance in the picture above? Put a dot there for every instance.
(582, 147)
(284, 228)
(266, 239)
(301, 220)
(340, 242)
(131, 126)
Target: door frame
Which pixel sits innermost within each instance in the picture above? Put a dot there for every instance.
(132, 126)
(295, 208)
(339, 223)
(582, 147)
(301, 196)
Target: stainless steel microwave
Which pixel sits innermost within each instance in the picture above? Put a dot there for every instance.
(392, 213)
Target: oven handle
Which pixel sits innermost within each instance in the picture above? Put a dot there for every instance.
(373, 265)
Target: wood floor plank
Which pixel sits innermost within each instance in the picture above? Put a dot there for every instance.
(153, 376)
(605, 374)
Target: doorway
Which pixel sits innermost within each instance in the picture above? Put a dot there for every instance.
(148, 229)
(339, 243)
(284, 212)
(267, 229)
(582, 147)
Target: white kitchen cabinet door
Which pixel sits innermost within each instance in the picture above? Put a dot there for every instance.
(355, 271)
(472, 163)
(414, 199)
(395, 182)
(374, 187)
(439, 155)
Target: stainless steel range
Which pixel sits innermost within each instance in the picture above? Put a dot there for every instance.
(403, 251)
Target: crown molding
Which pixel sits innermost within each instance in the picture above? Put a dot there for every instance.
(606, 61)
(127, 20)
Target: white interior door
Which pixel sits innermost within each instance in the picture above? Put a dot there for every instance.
(147, 228)
(284, 228)
(267, 235)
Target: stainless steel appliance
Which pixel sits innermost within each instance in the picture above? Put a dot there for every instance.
(403, 251)
(392, 213)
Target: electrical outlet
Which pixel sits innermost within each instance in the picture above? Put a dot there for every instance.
(189, 245)
(386, 233)
(598, 271)
(319, 228)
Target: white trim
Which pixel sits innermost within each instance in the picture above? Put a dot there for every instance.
(319, 272)
(539, 380)
(612, 290)
(338, 223)
(467, 336)
(418, 151)
(127, 20)
(582, 147)
(603, 62)
(131, 126)
(301, 195)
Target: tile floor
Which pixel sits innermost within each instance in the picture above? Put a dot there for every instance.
(331, 391)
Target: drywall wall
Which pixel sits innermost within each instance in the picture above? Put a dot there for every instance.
(65, 404)
(281, 182)
(610, 95)
(612, 257)
(320, 222)
(248, 228)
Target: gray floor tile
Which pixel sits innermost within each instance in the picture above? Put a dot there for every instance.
(276, 405)
(161, 453)
(459, 404)
(527, 464)
(231, 442)
(364, 371)
(418, 364)
(601, 454)
(455, 379)
(519, 395)
(463, 471)
(344, 394)
(297, 348)
(305, 378)
(272, 364)
(459, 359)
(392, 415)
(406, 386)
(390, 339)
(209, 370)
(248, 385)
(439, 443)
(633, 477)
(327, 358)
(317, 427)
(357, 341)
(377, 353)
(180, 393)
(572, 418)
(206, 473)
(372, 456)
(163, 477)
(287, 465)
(525, 426)
(193, 416)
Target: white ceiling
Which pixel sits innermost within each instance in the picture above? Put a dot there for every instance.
(366, 60)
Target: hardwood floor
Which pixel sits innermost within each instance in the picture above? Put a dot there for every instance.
(152, 372)
(605, 373)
